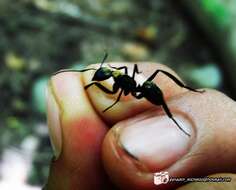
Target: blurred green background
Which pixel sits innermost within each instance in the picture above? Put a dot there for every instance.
(39, 37)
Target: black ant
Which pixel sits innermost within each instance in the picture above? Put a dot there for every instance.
(127, 85)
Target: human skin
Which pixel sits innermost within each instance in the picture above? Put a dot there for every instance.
(124, 146)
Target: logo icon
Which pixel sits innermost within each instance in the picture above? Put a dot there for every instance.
(161, 178)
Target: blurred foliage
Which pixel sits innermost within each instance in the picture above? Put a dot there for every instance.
(216, 18)
(38, 37)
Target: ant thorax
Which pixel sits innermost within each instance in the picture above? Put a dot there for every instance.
(116, 73)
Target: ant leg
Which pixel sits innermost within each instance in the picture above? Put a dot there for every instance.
(120, 68)
(103, 88)
(72, 70)
(177, 81)
(135, 71)
(164, 105)
(117, 100)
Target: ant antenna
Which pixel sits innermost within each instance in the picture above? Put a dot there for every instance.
(104, 59)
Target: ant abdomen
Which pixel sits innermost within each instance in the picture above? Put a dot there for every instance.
(152, 93)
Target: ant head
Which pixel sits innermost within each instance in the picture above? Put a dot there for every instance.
(101, 74)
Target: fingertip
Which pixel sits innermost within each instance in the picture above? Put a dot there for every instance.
(151, 144)
(134, 149)
(82, 132)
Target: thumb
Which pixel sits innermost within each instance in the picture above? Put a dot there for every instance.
(136, 148)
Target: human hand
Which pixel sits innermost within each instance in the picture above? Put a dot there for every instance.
(135, 139)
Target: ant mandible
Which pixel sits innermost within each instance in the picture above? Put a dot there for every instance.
(127, 85)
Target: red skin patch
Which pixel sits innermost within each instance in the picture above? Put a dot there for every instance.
(80, 164)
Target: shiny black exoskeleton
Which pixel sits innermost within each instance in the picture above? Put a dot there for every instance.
(127, 85)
